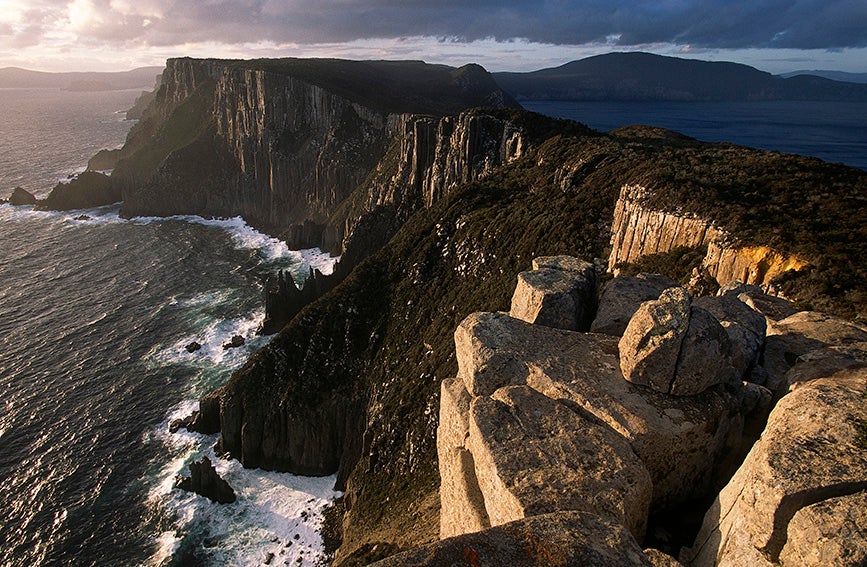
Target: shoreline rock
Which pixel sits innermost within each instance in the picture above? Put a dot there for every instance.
(205, 481)
(21, 196)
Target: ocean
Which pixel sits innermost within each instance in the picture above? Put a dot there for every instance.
(95, 312)
(832, 131)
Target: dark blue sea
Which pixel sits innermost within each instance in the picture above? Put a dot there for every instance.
(95, 312)
(832, 131)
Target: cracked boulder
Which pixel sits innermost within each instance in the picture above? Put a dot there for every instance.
(674, 347)
(799, 483)
(560, 292)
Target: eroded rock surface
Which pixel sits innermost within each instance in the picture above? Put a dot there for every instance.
(582, 369)
(536, 455)
(558, 539)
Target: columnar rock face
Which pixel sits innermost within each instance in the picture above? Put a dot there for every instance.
(285, 142)
(638, 231)
(804, 480)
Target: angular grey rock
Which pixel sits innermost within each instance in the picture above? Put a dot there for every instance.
(535, 455)
(811, 451)
(560, 539)
(237, 341)
(650, 346)
(704, 356)
(21, 196)
(622, 297)
(773, 308)
(560, 291)
(826, 361)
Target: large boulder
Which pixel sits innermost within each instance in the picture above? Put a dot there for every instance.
(560, 291)
(830, 532)
(559, 539)
(650, 346)
(813, 450)
(622, 297)
(21, 196)
(675, 347)
(535, 455)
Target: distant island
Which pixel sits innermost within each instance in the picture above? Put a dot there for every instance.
(645, 76)
(17, 78)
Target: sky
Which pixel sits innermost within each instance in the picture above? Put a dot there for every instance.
(113, 35)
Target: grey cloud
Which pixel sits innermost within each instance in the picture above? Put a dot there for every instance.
(824, 24)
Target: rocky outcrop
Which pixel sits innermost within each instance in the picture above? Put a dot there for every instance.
(205, 481)
(103, 160)
(800, 334)
(802, 482)
(21, 196)
(541, 420)
(640, 231)
(87, 190)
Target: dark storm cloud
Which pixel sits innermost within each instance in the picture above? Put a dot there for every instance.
(707, 23)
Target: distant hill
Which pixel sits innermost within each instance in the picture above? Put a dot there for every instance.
(833, 75)
(143, 77)
(645, 76)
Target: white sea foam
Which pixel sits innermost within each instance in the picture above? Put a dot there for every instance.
(212, 337)
(243, 236)
(275, 513)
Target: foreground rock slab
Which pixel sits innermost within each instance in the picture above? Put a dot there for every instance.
(536, 455)
(680, 440)
(555, 540)
(812, 451)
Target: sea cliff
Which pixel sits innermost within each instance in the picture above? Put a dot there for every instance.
(285, 143)
(436, 207)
